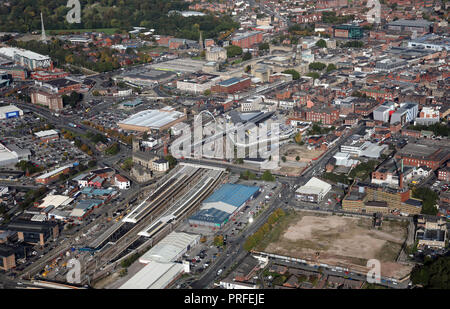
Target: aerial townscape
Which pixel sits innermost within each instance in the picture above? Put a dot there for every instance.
(232, 144)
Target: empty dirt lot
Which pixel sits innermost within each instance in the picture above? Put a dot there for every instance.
(338, 240)
(291, 151)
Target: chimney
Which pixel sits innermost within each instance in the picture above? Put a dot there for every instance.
(400, 181)
(166, 151)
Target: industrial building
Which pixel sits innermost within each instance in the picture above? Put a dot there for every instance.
(217, 209)
(10, 111)
(152, 119)
(161, 269)
(313, 191)
(170, 248)
(415, 154)
(12, 154)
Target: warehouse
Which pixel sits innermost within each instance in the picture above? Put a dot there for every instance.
(48, 135)
(10, 111)
(152, 119)
(217, 209)
(12, 154)
(313, 191)
(155, 275)
(170, 248)
(161, 270)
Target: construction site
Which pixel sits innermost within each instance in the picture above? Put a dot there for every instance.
(338, 242)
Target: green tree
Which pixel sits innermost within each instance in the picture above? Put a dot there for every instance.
(267, 176)
(233, 51)
(321, 43)
(247, 56)
(294, 73)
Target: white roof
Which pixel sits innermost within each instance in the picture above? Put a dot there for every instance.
(314, 186)
(77, 212)
(49, 174)
(170, 247)
(152, 118)
(154, 276)
(10, 51)
(229, 209)
(9, 108)
(56, 200)
(41, 134)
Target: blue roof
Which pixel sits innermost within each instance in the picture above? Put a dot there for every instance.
(232, 194)
(96, 192)
(211, 215)
(230, 81)
(88, 204)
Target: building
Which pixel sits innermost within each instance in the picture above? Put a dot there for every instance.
(431, 232)
(10, 111)
(431, 41)
(60, 85)
(53, 175)
(428, 116)
(444, 174)
(16, 72)
(171, 248)
(232, 85)
(419, 26)
(121, 182)
(384, 111)
(32, 232)
(348, 32)
(325, 115)
(363, 149)
(406, 113)
(198, 83)
(152, 119)
(47, 136)
(7, 258)
(216, 54)
(390, 64)
(314, 191)
(51, 100)
(247, 39)
(415, 154)
(370, 198)
(162, 269)
(11, 154)
(26, 58)
(217, 209)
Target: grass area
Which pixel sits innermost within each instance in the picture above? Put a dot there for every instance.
(108, 31)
